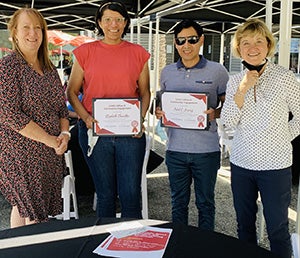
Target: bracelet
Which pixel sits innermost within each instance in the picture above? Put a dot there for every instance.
(66, 133)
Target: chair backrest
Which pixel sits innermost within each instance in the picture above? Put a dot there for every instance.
(147, 152)
(69, 163)
(226, 135)
(224, 132)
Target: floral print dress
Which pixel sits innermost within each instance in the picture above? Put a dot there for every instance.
(30, 172)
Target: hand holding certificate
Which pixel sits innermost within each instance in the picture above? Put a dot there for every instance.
(184, 110)
(117, 116)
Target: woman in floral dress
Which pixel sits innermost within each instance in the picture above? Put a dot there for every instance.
(34, 129)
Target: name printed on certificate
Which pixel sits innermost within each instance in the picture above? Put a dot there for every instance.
(118, 117)
(184, 110)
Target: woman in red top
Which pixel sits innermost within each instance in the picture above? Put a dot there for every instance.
(111, 68)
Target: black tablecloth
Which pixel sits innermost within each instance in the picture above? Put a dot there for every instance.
(185, 242)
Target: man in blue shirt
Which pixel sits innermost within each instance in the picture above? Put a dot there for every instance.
(193, 154)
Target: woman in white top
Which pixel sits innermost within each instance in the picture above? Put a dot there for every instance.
(258, 102)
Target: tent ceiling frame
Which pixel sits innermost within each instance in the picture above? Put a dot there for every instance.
(211, 14)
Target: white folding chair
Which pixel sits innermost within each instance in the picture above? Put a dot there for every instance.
(226, 137)
(144, 178)
(260, 221)
(68, 191)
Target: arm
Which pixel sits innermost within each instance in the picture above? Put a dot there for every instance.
(144, 93)
(144, 88)
(248, 81)
(230, 113)
(11, 113)
(75, 83)
(33, 131)
(215, 113)
(293, 96)
(63, 137)
(73, 114)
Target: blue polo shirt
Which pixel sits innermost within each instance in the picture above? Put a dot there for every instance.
(205, 77)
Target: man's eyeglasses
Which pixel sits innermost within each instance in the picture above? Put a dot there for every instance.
(109, 20)
(191, 39)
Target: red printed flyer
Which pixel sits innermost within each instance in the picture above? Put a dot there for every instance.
(148, 244)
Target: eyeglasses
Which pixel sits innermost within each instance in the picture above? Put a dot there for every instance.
(191, 39)
(109, 20)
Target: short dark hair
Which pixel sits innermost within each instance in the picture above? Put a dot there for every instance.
(116, 6)
(187, 23)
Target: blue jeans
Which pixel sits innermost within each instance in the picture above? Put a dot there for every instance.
(203, 168)
(275, 191)
(116, 168)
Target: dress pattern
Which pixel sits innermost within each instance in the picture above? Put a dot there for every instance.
(30, 172)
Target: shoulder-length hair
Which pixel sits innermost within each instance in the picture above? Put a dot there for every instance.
(252, 27)
(43, 53)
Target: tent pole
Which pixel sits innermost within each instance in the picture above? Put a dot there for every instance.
(138, 40)
(286, 10)
(131, 32)
(221, 59)
(156, 73)
(151, 74)
(269, 14)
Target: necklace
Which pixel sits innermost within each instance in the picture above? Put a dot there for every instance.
(31, 64)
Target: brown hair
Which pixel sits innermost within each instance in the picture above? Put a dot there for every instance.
(250, 27)
(43, 53)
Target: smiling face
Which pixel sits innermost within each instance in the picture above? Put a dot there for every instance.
(188, 52)
(253, 48)
(112, 23)
(28, 33)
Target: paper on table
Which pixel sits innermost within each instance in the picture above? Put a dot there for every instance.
(149, 244)
(126, 229)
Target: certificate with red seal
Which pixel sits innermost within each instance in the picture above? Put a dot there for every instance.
(184, 110)
(118, 116)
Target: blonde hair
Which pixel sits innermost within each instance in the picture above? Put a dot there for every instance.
(43, 53)
(252, 27)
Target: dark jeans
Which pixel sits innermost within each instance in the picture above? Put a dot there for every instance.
(202, 168)
(116, 167)
(275, 191)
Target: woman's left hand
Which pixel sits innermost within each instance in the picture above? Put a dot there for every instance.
(63, 140)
